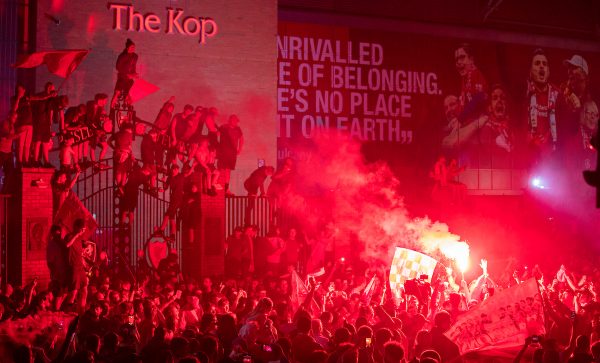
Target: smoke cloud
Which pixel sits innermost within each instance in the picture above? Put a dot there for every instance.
(359, 207)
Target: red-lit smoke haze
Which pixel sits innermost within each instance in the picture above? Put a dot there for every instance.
(346, 202)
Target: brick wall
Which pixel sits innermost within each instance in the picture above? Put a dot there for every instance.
(234, 71)
(32, 218)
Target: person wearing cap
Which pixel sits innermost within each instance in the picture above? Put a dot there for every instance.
(575, 93)
(126, 72)
(576, 88)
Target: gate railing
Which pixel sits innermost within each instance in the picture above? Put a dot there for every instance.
(265, 215)
(96, 190)
(235, 214)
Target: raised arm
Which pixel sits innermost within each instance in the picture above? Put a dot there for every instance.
(466, 291)
(72, 184)
(17, 99)
(74, 238)
(172, 131)
(481, 280)
(240, 145)
(42, 97)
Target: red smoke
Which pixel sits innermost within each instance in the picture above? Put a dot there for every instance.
(358, 207)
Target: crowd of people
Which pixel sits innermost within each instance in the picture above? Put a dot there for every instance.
(262, 310)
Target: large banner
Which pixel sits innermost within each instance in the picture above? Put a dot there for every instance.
(502, 321)
(493, 110)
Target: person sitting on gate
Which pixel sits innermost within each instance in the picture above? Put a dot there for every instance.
(123, 154)
(205, 163)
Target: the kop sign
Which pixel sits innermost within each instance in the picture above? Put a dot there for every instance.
(126, 18)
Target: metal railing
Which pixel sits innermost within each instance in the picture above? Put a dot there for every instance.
(96, 190)
(236, 209)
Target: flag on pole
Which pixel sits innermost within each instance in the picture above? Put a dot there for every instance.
(141, 89)
(59, 62)
(408, 264)
(299, 293)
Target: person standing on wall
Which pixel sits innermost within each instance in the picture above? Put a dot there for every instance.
(231, 141)
(254, 183)
(126, 73)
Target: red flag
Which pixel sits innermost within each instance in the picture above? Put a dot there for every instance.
(72, 209)
(299, 291)
(299, 294)
(369, 290)
(141, 89)
(59, 62)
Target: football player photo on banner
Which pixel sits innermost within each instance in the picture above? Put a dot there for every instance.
(495, 111)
